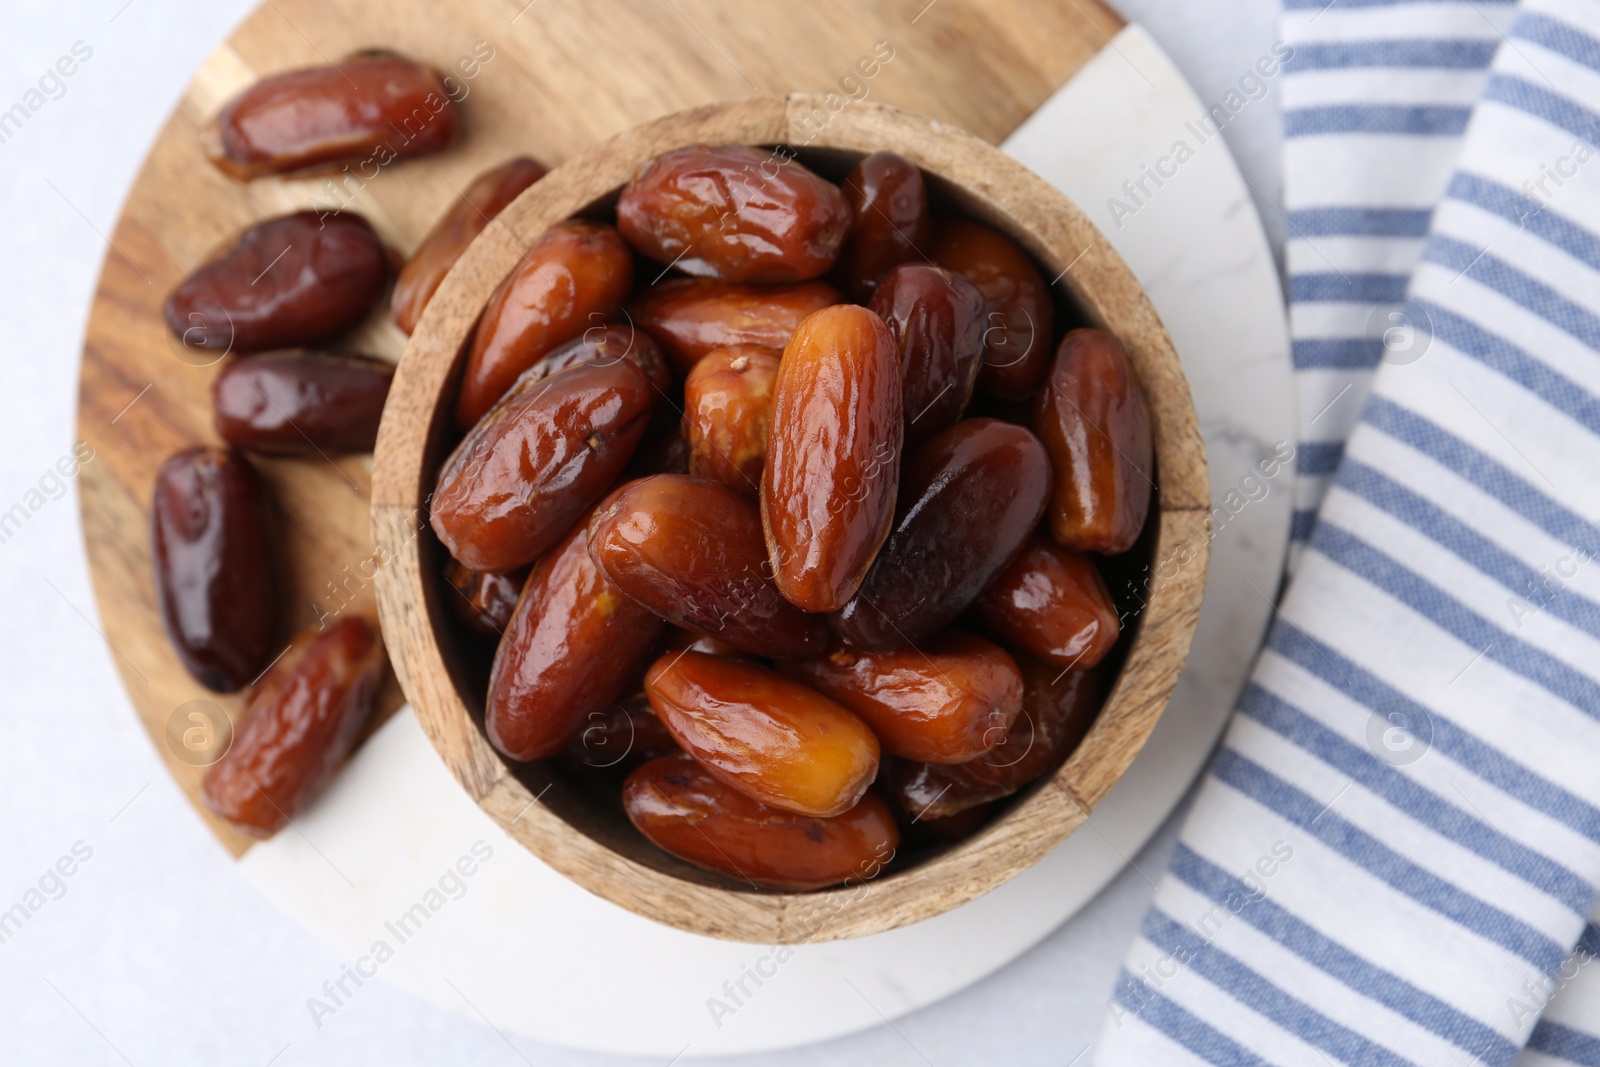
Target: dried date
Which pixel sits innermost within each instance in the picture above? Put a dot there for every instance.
(691, 551)
(947, 700)
(286, 282)
(734, 212)
(574, 277)
(684, 810)
(727, 408)
(298, 726)
(890, 204)
(525, 473)
(1094, 420)
(694, 316)
(1053, 604)
(970, 495)
(833, 455)
(214, 572)
(575, 644)
(774, 740)
(1021, 317)
(938, 322)
(1058, 707)
(369, 109)
(301, 402)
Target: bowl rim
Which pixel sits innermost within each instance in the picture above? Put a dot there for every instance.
(996, 190)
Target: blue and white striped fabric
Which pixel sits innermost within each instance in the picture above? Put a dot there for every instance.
(1375, 99)
(1396, 853)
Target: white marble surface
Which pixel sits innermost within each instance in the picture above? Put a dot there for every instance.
(157, 950)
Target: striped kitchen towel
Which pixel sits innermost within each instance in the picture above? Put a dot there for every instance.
(1375, 98)
(1395, 854)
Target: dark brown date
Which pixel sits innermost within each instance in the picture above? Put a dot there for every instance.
(619, 738)
(472, 211)
(947, 700)
(691, 551)
(368, 110)
(938, 321)
(572, 278)
(693, 316)
(833, 452)
(484, 600)
(734, 212)
(298, 726)
(290, 281)
(772, 739)
(1053, 604)
(1058, 707)
(683, 810)
(890, 205)
(519, 480)
(1021, 318)
(727, 406)
(301, 402)
(602, 345)
(1094, 420)
(575, 644)
(213, 560)
(969, 497)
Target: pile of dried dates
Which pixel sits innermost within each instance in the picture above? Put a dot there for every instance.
(782, 501)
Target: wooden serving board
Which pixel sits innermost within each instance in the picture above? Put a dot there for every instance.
(547, 78)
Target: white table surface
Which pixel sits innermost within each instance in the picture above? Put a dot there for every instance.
(157, 951)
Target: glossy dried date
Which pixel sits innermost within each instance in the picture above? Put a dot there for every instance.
(890, 205)
(525, 473)
(212, 549)
(694, 316)
(734, 212)
(602, 345)
(1094, 420)
(484, 600)
(301, 402)
(285, 282)
(619, 738)
(682, 809)
(691, 551)
(1053, 604)
(472, 211)
(947, 700)
(575, 276)
(369, 109)
(938, 319)
(772, 739)
(1021, 317)
(1058, 707)
(727, 407)
(575, 644)
(969, 497)
(833, 455)
(298, 726)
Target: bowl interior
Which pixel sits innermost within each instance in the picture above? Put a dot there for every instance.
(576, 821)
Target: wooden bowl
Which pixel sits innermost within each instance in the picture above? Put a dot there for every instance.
(553, 816)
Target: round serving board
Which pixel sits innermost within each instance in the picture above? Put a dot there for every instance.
(548, 78)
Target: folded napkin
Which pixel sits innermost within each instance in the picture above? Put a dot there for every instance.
(1395, 854)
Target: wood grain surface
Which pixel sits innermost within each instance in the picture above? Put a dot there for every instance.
(560, 75)
(552, 815)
